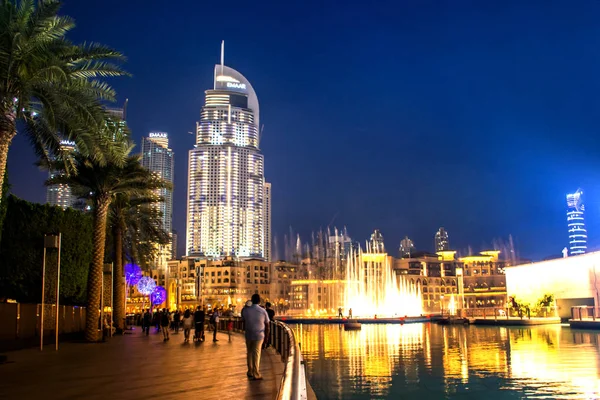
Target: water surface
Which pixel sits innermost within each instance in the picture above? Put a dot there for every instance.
(429, 361)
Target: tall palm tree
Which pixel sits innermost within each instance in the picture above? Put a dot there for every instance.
(135, 221)
(120, 173)
(48, 83)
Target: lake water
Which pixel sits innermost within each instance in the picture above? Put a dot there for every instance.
(429, 361)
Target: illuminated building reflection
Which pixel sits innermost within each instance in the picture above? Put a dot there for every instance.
(428, 359)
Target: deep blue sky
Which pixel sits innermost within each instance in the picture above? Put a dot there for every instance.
(403, 116)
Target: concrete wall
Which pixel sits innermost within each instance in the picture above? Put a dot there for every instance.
(574, 278)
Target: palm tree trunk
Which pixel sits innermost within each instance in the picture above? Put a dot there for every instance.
(119, 286)
(8, 131)
(95, 276)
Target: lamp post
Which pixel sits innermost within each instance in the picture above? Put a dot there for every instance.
(50, 242)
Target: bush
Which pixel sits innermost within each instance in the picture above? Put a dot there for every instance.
(21, 251)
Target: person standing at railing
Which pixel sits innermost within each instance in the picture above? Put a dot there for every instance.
(271, 314)
(257, 328)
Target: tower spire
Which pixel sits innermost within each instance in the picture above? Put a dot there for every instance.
(222, 55)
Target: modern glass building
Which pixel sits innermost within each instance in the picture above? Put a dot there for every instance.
(228, 210)
(158, 158)
(576, 223)
(441, 240)
(60, 195)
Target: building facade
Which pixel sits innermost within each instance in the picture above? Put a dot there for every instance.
(576, 223)
(227, 199)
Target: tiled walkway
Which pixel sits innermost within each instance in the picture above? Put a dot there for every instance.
(139, 367)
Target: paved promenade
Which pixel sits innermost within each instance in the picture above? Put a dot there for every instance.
(139, 367)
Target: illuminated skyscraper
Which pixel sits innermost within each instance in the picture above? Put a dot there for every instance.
(441, 240)
(158, 158)
(60, 195)
(267, 222)
(376, 244)
(406, 247)
(228, 209)
(576, 224)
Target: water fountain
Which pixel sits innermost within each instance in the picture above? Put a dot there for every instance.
(373, 290)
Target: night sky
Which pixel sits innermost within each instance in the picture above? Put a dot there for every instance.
(401, 116)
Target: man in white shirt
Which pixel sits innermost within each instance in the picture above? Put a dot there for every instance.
(257, 328)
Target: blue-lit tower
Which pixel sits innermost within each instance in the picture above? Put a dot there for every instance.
(575, 221)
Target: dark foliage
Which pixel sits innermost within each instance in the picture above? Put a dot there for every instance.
(21, 251)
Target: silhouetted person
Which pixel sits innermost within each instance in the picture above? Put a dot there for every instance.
(188, 322)
(271, 314)
(147, 322)
(176, 321)
(164, 323)
(199, 317)
(257, 328)
(214, 320)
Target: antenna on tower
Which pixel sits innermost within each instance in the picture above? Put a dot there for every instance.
(222, 55)
(260, 135)
(125, 110)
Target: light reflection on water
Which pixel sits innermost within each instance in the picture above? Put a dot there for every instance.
(428, 361)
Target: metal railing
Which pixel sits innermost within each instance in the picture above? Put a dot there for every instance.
(293, 382)
(585, 313)
(283, 340)
(506, 313)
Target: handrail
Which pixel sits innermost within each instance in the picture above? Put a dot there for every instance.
(506, 312)
(293, 381)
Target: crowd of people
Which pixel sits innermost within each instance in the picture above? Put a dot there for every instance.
(256, 319)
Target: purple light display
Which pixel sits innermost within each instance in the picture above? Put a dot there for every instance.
(146, 285)
(133, 274)
(158, 296)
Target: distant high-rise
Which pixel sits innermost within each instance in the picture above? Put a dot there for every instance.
(158, 158)
(60, 194)
(441, 240)
(174, 243)
(407, 247)
(576, 223)
(376, 243)
(227, 205)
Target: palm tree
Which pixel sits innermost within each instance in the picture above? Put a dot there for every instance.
(100, 182)
(48, 83)
(135, 223)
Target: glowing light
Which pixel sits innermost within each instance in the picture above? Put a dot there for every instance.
(146, 285)
(158, 295)
(133, 273)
